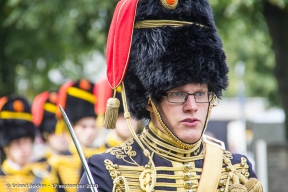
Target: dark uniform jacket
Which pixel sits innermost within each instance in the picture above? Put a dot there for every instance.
(177, 169)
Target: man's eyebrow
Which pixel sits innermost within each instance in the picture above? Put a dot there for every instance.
(183, 90)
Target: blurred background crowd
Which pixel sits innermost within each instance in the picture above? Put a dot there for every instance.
(50, 51)
(36, 145)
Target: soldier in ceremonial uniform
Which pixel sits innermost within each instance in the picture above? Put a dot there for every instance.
(56, 137)
(168, 59)
(44, 117)
(78, 100)
(121, 133)
(17, 133)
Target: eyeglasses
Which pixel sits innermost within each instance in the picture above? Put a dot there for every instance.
(181, 97)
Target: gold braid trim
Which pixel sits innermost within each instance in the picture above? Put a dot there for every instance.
(240, 180)
(149, 186)
(180, 143)
(167, 151)
(162, 23)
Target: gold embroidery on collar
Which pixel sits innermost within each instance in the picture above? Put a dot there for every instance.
(123, 151)
(162, 147)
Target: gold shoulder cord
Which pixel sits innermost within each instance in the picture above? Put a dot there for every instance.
(180, 143)
(147, 181)
(250, 185)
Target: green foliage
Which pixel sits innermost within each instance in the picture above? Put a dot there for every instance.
(44, 38)
(44, 35)
(245, 36)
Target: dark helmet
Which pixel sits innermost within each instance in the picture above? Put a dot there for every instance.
(44, 112)
(78, 100)
(15, 119)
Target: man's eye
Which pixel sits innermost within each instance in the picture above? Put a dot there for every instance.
(200, 94)
(177, 94)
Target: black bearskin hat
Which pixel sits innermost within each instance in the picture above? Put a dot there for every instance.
(77, 99)
(44, 112)
(15, 120)
(173, 43)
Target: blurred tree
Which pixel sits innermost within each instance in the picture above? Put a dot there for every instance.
(255, 32)
(276, 14)
(37, 36)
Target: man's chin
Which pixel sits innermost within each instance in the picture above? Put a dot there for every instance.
(189, 140)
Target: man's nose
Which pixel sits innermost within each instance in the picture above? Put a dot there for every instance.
(190, 103)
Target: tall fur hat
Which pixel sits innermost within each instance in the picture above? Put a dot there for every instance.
(44, 112)
(77, 99)
(168, 43)
(15, 120)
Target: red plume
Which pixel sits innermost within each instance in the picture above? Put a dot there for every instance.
(119, 41)
(103, 92)
(37, 108)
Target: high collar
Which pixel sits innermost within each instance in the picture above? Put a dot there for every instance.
(164, 146)
(8, 169)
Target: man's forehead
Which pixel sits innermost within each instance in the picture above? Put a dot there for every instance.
(190, 86)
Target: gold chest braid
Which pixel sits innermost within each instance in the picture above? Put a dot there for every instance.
(180, 176)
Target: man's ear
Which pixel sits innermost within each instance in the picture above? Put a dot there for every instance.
(149, 105)
(149, 108)
(5, 150)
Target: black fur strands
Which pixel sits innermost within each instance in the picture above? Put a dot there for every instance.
(12, 129)
(48, 123)
(78, 108)
(163, 58)
(197, 11)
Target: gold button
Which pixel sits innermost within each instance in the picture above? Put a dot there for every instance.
(188, 184)
(187, 176)
(187, 166)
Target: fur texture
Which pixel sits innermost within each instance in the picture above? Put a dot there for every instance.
(48, 123)
(12, 129)
(166, 57)
(77, 108)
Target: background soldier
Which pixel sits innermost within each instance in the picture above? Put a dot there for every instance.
(78, 100)
(170, 58)
(121, 133)
(44, 117)
(17, 133)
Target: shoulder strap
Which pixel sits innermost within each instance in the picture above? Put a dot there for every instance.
(212, 166)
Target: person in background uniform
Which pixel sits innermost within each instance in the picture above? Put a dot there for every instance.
(121, 133)
(56, 138)
(78, 100)
(17, 133)
(44, 117)
(168, 59)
